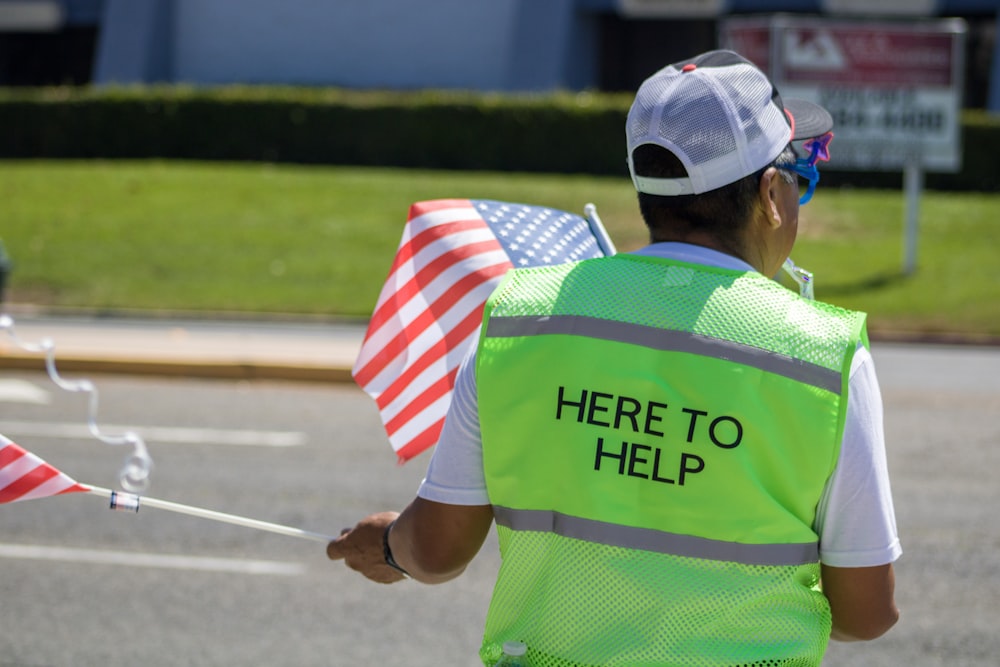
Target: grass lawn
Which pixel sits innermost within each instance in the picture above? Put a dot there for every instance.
(260, 238)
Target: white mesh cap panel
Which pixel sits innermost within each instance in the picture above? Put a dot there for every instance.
(690, 122)
(764, 126)
(640, 119)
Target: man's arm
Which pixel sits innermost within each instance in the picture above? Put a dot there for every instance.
(433, 542)
(862, 600)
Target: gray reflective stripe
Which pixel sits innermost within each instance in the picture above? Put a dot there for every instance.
(669, 341)
(646, 539)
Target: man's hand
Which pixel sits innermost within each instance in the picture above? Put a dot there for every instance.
(432, 541)
(361, 548)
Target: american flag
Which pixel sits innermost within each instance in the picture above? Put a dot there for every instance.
(24, 476)
(452, 255)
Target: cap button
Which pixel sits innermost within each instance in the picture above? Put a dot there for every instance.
(690, 67)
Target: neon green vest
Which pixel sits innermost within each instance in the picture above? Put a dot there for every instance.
(656, 436)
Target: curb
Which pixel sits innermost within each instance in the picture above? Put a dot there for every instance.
(229, 370)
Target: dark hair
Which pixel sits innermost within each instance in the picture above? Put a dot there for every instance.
(723, 213)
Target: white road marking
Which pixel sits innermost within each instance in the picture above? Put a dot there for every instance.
(130, 559)
(22, 391)
(162, 434)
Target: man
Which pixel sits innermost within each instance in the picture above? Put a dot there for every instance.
(685, 460)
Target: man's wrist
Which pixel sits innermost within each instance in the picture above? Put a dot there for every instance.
(387, 551)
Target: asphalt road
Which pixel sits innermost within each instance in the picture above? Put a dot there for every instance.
(127, 589)
(82, 585)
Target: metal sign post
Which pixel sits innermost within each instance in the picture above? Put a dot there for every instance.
(913, 187)
(894, 89)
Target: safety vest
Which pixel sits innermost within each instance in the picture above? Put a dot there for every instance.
(656, 437)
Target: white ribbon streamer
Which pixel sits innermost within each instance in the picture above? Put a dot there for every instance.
(134, 475)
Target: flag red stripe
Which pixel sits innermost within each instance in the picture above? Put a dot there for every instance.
(406, 251)
(75, 488)
(27, 482)
(428, 396)
(391, 306)
(424, 234)
(428, 317)
(32, 473)
(459, 333)
(424, 237)
(420, 208)
(432, 270)
(427, 438)
(10, 453)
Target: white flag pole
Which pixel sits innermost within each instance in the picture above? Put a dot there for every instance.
(130, 503)
(596, 226)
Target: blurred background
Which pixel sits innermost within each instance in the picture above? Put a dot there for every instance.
(169, 164)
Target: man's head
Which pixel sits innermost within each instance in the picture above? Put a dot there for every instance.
(703, 137)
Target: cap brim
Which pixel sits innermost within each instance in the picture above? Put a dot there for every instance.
(811, 120)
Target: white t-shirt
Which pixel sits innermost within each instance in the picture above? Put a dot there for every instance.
(855, 518)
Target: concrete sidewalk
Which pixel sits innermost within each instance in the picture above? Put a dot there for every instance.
(232, 349)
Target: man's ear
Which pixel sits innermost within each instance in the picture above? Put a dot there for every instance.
(767, 197)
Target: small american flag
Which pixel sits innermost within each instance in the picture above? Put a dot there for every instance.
(24, 476)
(452, 256)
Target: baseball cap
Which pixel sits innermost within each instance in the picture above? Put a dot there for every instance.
(721, 116)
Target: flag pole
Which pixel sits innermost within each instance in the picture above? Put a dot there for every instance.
(130, 502)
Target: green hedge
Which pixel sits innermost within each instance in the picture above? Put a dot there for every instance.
(565, 133)
(560, 133)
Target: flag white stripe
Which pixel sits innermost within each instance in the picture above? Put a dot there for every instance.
(423, 223)
(445, 245)
(420, 422)
(439, 217)
(426, 339)
(26, 464)
(446, 360)
(415, 307)
(435, 371)
(416, 304)
(422, 341)
(18, 468)
(52, 487)
(467, 303)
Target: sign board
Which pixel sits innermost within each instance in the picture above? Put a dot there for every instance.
(751, 38)
(671, 8)
(880, 7)
(894, 88)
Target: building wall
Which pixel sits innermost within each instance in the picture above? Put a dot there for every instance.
(354, 43)
(474, 44)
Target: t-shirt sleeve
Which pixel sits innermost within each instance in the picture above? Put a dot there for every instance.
(855, 518)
